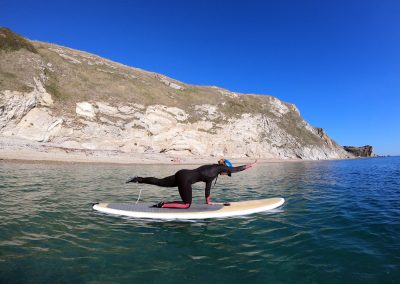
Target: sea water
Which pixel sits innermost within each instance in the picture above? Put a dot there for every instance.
(340, 224)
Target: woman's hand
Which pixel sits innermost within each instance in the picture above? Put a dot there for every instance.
(250, 165)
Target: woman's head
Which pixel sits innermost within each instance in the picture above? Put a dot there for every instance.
(225, 162)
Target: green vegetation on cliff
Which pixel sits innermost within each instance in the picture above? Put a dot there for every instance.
(10, 41)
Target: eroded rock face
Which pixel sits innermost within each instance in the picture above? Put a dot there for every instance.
(162, 129)
(322, 134)
(15, 105)
(38, 125)
(85, 109)
(363, 151)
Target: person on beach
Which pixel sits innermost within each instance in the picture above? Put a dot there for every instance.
(183, 179)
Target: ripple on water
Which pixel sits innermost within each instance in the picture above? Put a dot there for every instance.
(340, 223)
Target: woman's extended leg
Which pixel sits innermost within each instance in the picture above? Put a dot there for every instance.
(164, 182)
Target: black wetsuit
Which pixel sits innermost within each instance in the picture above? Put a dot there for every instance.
(184, 179)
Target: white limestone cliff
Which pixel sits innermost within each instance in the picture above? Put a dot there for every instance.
(159, 129)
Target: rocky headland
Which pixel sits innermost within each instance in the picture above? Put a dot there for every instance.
(363, 151)
(57, 103)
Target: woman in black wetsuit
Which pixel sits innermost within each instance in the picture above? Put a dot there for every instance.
(184, 179)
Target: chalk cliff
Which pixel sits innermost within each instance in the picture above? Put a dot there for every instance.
(78, 100)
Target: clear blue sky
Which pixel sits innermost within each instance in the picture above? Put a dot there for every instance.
(338, 61)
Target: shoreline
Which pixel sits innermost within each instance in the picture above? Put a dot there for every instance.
(22, 150)
(105, 157)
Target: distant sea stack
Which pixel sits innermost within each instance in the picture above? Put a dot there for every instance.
(76, 100)
(363, 151)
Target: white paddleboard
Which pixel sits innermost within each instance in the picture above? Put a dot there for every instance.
(196, 211)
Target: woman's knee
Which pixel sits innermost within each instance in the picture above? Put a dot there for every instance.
(186, 205)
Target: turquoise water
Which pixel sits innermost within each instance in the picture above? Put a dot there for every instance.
(340, 224)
